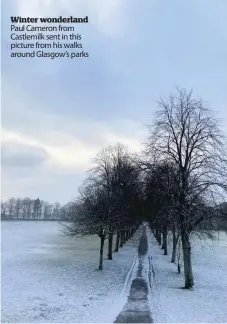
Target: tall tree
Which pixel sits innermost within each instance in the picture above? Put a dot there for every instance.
(36, 209)
(11, 207)
(18, 207)
(56, 210)
(186, 133)
(3, 210)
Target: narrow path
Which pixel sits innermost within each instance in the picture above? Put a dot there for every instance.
(136, 309)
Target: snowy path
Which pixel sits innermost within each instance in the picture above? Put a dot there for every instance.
(136, 309)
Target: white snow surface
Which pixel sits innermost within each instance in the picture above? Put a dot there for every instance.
(50, 278)
(207, 303)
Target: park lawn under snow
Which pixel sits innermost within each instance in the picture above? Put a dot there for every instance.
(47, 277)
(208, 301)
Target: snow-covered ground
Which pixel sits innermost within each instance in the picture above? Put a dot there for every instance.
(208, 301)
(47, 277)
(50, 278)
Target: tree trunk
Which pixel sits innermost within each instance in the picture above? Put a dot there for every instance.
(110, 247)
(175, 240)
(117, 242)
(156, 234)
(121, 239)
(124, 237)
(101, 252)
(163, 240)
(131, 232)
(165, 233)
(188, 274)
(159, 237)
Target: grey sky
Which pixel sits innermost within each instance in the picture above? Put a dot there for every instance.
(56, 114)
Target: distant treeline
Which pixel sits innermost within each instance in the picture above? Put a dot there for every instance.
(36, 209)
(33, 209)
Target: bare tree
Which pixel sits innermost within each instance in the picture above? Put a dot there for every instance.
(46, 211)
(56, 210)
(27, 208)
(63, 213)
(108, 201)
(3, 210)
(176, 235)
(11, 207)
(36, 209)
(18, 207)
(186, 134)
(160, 191)
(119, 178)
(90, 215)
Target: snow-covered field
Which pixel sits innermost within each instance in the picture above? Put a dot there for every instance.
(47, 277)
(208, 301)
(50, 278)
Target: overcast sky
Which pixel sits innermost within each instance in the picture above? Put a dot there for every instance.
(56, 114)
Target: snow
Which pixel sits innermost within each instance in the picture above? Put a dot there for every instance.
(50, 278)
(207, 303)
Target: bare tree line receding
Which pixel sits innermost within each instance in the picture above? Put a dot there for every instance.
(178, 183)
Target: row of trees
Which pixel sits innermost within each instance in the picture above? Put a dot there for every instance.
(178, 183)
(33, 209)
(186, 165)
(110, 201)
